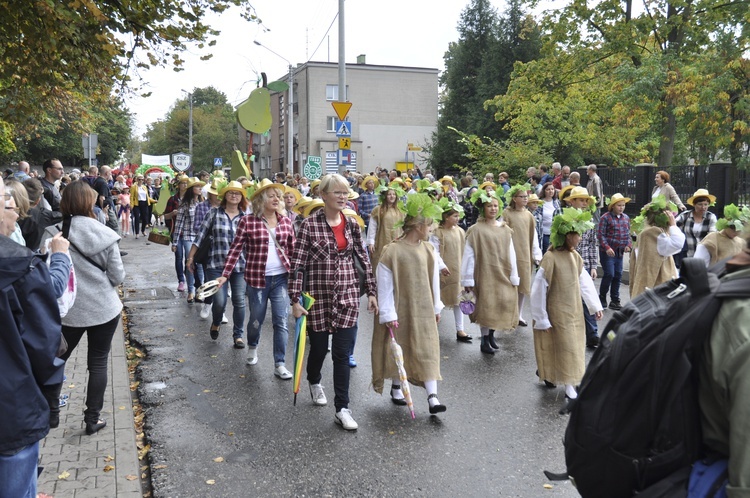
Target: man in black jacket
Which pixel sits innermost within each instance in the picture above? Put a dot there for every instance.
(29, 339)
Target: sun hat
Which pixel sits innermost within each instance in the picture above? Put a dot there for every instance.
(565, 190)
(580, 193)
(215, 185)
(291, 190)
(701, 192)
(194, 182)
(533, 198)
(352, 195)
(350, 213)
(233, 186)
(367, 179)
(398, 181)
(315, 203)
(488, 184)
(304, 201)
(265, 184)
(618, 197)
(447, 178)
(315, 183)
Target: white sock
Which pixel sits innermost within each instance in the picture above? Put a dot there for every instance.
(571, 391)
(396, 393)
(521, 300)
(431, 388)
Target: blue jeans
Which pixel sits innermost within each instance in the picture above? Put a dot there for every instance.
(183, 249)
(341, 344)
(219, 300)
(592, 328)
(545, 243)
(275, 291)
(612, 266)
(18, 473)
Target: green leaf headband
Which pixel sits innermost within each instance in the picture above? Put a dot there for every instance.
(734, 217)
(570, 220)
(659, 206)
(448, 205)
(514, 190)
(482, 195)
(421, 204)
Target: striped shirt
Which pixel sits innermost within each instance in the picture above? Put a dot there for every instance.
(251, 240)
(330, 274)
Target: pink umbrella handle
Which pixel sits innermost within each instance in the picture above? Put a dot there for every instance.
(390, 330)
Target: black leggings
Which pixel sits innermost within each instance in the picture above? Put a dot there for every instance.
(140, 215)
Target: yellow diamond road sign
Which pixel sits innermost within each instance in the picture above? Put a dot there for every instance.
(342, 109)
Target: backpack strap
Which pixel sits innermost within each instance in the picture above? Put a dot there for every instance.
(694, 273)
(739, 287)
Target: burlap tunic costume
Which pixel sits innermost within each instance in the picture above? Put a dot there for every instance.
(719, 246)
(524, 233)
(560, 352)
(412, 268)
(451, 250)
(648, 268)
(386, 219)
(497, 297)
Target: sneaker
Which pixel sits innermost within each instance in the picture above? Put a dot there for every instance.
(282, 373)
(345, 420)
(317, 395)
(205, 311)
(593, 342)
(615, 305)
(224, 319)
(181, 287)
(252, 356)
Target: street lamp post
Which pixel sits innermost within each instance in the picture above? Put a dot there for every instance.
(190, 127)
(290, 115)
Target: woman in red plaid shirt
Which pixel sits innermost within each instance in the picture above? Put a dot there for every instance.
(266, 239)
(323, 253)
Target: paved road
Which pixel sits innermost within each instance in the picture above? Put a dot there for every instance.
(502, 427)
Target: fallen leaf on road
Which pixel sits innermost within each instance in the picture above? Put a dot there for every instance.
(109, 458)
(181, 360)
(219, 459)
(242, 376)
(159, 467)
(548, 486)
(214, 356)
(131, 477)
(211, 481)
(107, 468)
(207, 390)
(231, 434)
(64, 475)
(170, 329)
(71, 386)
(120, 407)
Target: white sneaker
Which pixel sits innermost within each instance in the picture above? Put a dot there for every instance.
(224, 319)
(205, 311)
(282, 373)
(345, 420)
(252, 356)
(317, 395)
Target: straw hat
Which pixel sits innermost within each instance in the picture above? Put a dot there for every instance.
(352, 195)
(618, 197)
(580, 193)
(447, 178)
(564, 191)
(701, 192)
(232, 186)
(315, 183)
(368, 178)
(533, 198)
(266, 184)
(397, 182)
(194, 182)
(214, 187)
(350, 213)
(488, 184)
(304, 201)
(307, 209)
(291, 190)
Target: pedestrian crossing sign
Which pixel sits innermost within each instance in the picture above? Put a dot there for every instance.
(343, 129)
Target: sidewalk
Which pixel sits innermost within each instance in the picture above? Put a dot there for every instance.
(77, 465)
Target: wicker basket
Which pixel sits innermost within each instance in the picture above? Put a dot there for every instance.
(159, 238)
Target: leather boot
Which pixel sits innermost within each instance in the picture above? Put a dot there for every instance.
(485, 347)
(491, 339)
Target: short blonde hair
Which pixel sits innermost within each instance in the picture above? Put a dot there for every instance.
(329, 182)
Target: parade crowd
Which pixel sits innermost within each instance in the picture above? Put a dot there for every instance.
(409, 243)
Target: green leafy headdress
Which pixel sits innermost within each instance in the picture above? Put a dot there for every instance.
(421, 204)
(481, 195)
(570, 220)
(734, 217)
(448, 205)
(514, 190)
(657, 208)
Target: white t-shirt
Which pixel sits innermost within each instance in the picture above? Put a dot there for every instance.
(274, 265)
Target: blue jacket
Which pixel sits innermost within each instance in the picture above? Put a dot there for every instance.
(30, 334)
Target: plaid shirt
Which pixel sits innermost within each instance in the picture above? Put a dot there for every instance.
(367, 202)
(614, 232)
(223, 230)
(201, 210)
(251, 240)
(686, 223)
(184, 228)
(331, 277)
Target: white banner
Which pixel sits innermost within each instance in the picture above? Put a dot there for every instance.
(155, 160)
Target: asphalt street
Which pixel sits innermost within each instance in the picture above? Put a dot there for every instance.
(218, 427)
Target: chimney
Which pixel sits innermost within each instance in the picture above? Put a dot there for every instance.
(361, 59)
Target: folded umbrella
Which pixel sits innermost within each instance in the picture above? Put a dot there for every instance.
(306, 300)
(398, 358)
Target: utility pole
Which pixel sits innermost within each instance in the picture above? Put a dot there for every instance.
(190, 127)
(343, 97)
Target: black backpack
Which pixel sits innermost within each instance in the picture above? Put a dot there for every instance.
(637, 418)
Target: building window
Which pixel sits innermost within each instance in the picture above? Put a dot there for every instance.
(332, 92)
(331, 124)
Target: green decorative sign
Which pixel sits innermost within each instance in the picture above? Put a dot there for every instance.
(313, 169)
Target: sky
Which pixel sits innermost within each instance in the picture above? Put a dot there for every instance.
(389, 32)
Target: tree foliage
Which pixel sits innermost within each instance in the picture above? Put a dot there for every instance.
(478, 67)
(214, 129)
